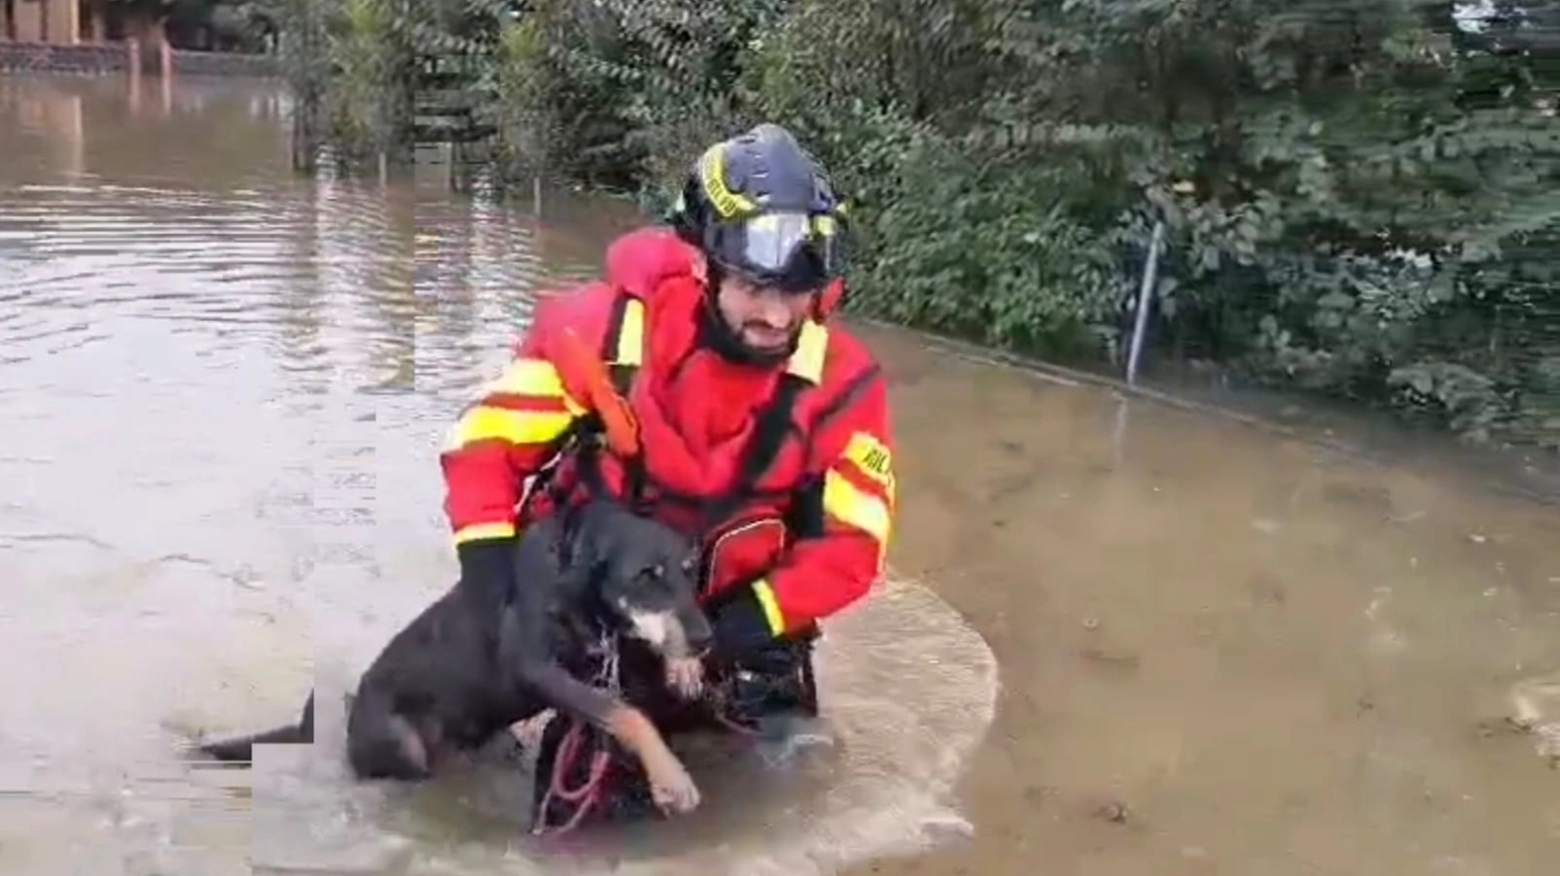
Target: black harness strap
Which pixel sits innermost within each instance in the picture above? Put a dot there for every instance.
(622, 375)
(774, 424)
(841, 402)
(805, 516)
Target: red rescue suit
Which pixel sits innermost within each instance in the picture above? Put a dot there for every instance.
(785, 474)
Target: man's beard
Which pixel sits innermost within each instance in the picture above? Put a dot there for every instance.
(782, 347)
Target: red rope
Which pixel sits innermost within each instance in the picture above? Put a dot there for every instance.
(589, 792)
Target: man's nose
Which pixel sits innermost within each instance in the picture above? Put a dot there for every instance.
(774, 309)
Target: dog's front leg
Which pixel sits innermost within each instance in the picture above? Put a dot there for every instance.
(670, 784)
(685, 677)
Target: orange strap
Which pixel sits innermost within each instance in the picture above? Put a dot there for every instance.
(829, 299)
(580, 366)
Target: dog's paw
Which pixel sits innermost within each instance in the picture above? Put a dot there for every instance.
(685, 676)
(671, 787)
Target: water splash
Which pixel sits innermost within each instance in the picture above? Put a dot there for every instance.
(909, 692)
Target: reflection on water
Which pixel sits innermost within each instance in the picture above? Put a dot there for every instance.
(225, 389)
(54, 118)
(1221, 650)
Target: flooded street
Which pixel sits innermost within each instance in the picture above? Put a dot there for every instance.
(1118, 640)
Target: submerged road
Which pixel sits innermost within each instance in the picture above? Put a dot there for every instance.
(1200, 647)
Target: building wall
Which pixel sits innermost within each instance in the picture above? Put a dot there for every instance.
(58, 22)
(62, 22)
(93, 24)
(28, 15)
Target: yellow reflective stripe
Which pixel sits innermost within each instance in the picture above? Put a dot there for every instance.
(533, 377)
(631, 337)
(479, 531)
(872, 458)
(484, 423)
(770, 605)
(811, 347)
(712, 173)
(847, 503)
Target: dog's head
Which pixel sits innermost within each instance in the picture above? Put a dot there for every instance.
(645, 576)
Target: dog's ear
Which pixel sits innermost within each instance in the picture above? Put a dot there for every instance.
(576, 563)
(584, 549)
(586, 545)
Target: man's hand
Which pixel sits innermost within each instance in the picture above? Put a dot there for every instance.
(741, 627)
(488, 566)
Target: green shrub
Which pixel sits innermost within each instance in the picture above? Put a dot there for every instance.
(1362, 199)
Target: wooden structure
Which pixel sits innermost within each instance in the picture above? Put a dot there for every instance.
(446, 115)
(76, 36)
(59, 22)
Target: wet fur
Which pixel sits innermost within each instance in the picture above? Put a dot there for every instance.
(474, 662)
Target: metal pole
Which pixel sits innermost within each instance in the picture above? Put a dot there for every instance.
(1145, 293)
(1118, 438)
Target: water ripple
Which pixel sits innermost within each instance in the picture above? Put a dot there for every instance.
(225, 387)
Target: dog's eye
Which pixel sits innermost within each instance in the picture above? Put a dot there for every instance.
(656, 572)
(689, 565)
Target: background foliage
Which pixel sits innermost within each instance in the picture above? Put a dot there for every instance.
(1362, 196)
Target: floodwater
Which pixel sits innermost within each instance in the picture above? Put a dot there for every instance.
(225, 388)
(1120, 637)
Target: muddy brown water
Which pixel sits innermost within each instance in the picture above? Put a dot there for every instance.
(1119, 637)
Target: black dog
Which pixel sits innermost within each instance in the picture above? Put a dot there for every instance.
(474, 662)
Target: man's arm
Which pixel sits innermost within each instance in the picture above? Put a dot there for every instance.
(821, 575)
(507, 435)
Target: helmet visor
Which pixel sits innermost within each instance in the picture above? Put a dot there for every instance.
(784, 249)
